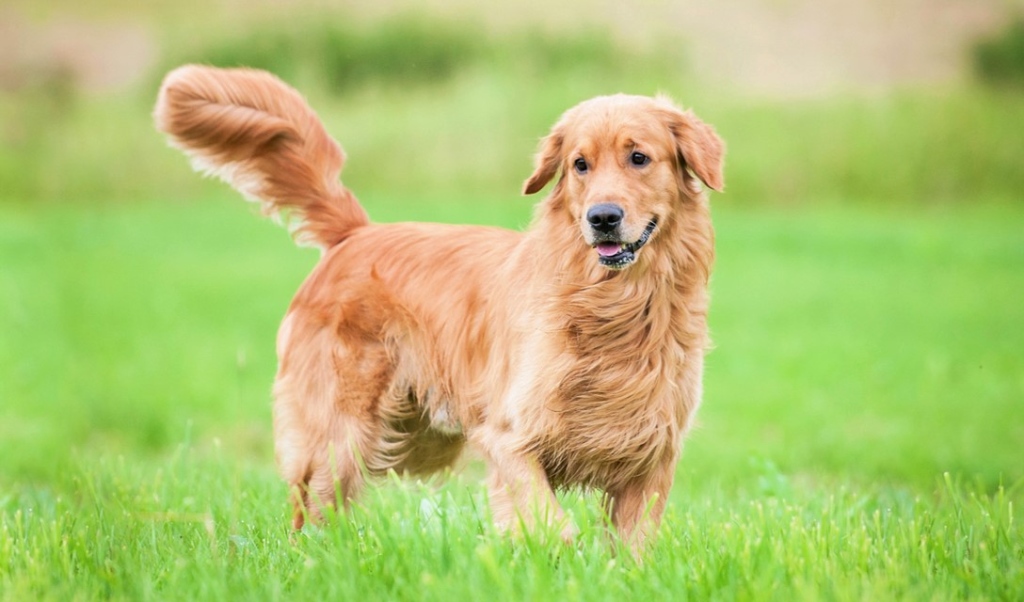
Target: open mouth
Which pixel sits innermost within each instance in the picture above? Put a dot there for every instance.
(617, 255)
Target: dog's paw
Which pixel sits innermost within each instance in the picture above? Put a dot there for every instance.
(569, 534)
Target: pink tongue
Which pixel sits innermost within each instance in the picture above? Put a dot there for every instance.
(607, 249)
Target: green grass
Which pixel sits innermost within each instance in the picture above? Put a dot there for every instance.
(860, 437)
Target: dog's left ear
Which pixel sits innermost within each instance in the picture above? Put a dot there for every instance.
(548, 160)
(700, 149)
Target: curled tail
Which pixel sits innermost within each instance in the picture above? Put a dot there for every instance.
(258, 134)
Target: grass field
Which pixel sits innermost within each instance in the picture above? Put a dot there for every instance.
(861, 436)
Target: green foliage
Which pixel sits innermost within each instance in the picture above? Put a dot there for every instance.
(923, 148)
(999, 59)
(341, 56)
(441, 92)
(425, 105)
(477, 133)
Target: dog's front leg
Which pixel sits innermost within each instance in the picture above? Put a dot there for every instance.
(519, 491)
(636, 508)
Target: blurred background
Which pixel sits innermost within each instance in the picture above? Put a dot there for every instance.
(868, 313)
(907, 101)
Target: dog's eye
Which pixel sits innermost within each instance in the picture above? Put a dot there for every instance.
(638, 158)
(580, 165)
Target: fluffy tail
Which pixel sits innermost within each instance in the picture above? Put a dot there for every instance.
(258, 134)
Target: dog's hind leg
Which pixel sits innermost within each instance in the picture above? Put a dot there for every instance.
(326, 427)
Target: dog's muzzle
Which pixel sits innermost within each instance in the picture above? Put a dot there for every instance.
(617, 255)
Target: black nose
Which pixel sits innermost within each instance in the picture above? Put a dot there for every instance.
(605, 217)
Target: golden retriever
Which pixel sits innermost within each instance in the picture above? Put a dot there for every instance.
(567, 355)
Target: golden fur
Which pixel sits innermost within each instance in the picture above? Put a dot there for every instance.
(409, 340)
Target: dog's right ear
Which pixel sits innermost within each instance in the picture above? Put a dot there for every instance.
(548, 161)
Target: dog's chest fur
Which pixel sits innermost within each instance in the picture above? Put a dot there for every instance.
(617, 411)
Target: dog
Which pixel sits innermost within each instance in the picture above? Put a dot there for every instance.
(568, 355)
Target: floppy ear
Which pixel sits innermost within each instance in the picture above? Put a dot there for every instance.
(547, 161)
(699, 147)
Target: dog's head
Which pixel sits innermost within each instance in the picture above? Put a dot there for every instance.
(625, 163)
